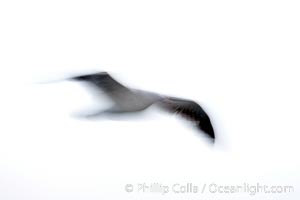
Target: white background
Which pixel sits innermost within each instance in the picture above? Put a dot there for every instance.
(238, 59)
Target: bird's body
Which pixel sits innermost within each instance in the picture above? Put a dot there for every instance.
(128, 100)
(125, 99)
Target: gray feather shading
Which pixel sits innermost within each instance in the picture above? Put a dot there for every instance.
(131, 100)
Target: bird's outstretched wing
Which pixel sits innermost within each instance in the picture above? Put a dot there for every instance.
(106, 83)
(191, 111)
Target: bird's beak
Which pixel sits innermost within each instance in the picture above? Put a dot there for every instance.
(80, 78)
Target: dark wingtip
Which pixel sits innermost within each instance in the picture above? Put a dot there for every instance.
(208, 130)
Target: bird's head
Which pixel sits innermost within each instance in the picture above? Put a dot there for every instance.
(88, 77)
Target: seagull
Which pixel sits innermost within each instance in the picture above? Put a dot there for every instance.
(129, 100)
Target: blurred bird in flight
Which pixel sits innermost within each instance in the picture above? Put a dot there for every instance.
(129, 100)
